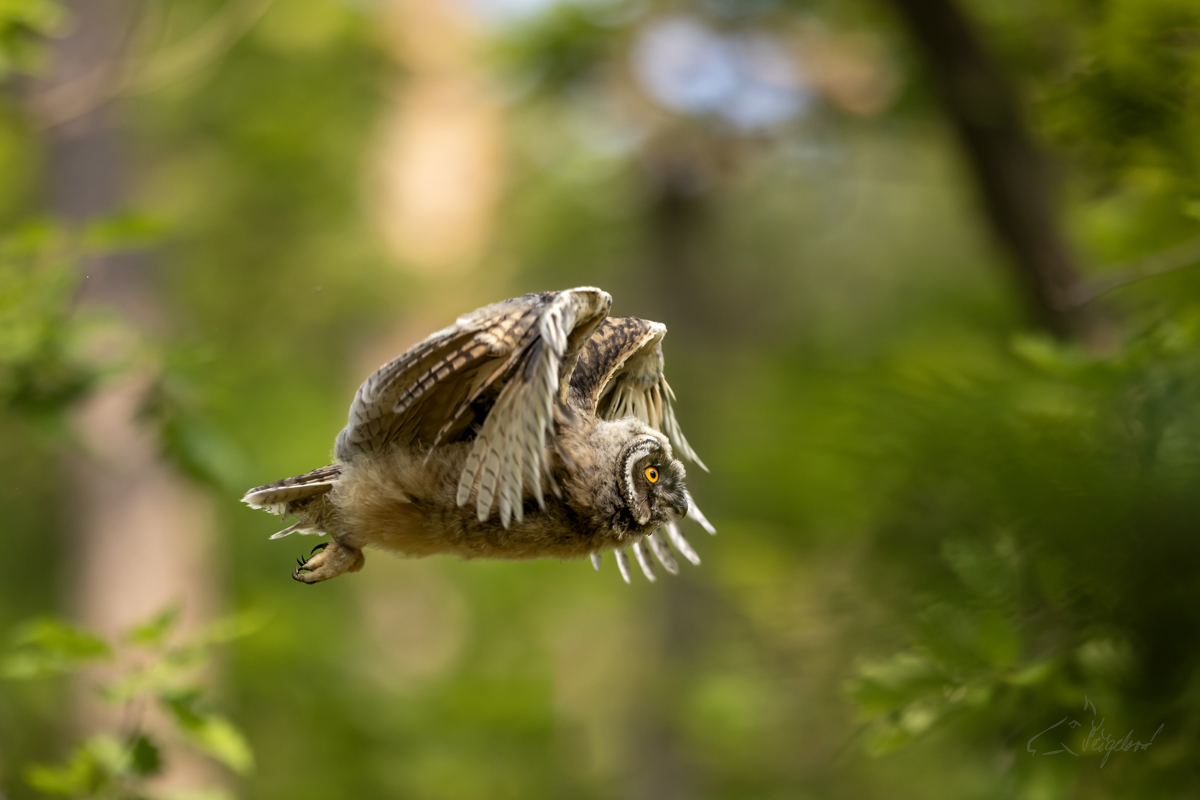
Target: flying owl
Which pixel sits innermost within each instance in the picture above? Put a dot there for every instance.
(534, 427)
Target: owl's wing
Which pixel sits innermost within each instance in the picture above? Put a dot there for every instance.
(620, 374)
(501, 368)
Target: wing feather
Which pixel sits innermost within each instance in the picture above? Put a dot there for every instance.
(643, 559)
(493, 376)
(509, 452)
(620, 374)
(662, 552)
(623, 564)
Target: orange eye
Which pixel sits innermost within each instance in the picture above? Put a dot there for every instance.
(652, 474)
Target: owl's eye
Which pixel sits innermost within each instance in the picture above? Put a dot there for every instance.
(652, 474)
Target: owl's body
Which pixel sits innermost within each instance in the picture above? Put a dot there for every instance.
(539, 409)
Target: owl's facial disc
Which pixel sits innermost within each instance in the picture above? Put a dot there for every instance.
(652, 482)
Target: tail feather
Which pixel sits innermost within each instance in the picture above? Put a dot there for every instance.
(289, 495)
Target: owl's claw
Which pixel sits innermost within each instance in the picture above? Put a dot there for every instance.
(328, 560)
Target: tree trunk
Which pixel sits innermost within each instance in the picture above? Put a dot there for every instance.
(1007, 166)
(142, 537)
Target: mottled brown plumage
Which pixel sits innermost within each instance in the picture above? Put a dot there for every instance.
(535, 427)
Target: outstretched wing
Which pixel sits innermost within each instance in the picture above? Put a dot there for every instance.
(620, 374)
(500, 368)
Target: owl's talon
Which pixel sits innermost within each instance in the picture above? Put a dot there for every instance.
(328, 560)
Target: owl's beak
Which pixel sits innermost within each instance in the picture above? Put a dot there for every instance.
(680, 505)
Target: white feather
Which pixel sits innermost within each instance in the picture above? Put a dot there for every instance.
(643, 559)
(694, 512)
(681, 544)
(662, 552)
(623, 564)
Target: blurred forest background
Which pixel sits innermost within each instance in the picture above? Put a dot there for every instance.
(927, 267)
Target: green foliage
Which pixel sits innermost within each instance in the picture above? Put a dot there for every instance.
(152, 667)
(561, 49)
(1111, 87)
(187, 435)
(966, 526)
(39, 372)
(124, 231)
(47, 647)
(100, 767)
(209, 732)
(23, 23)
(42, 367)
(1033, 514)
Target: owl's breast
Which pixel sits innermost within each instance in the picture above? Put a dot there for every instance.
(406, 502)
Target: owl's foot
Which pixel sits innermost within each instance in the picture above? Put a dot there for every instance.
(328, 560)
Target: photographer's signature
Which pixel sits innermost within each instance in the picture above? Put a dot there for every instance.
(1097, 741)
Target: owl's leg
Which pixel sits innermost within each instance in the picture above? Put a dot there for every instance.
(328, 560)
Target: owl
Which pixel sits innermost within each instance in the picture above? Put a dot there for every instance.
(534, 427)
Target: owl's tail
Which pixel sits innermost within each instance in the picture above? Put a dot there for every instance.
(295, 496)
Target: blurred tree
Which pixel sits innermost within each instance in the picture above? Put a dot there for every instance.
(1012, 174)
(968, 526)
(126, 498)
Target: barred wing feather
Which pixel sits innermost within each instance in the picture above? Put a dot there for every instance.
(620, 374)
(498, 369)
(509, 453)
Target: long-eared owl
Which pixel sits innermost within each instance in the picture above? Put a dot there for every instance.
(534, 427)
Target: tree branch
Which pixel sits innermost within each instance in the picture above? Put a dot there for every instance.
(1170, 260)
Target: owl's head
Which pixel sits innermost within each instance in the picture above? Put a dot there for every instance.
(650, 481)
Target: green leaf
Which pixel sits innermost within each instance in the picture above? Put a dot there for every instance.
(222, 740)
(40, 370)
(146, 758)
(883, 687)
(187, 438)
(235, 626)
(111, 756)
(93, 765)
(49, 647)
(182, 704)
(41, 16)
(63, 640)
(23, 26)
(211, 733)
(153, 632)
(123, 231)
(78, 776)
